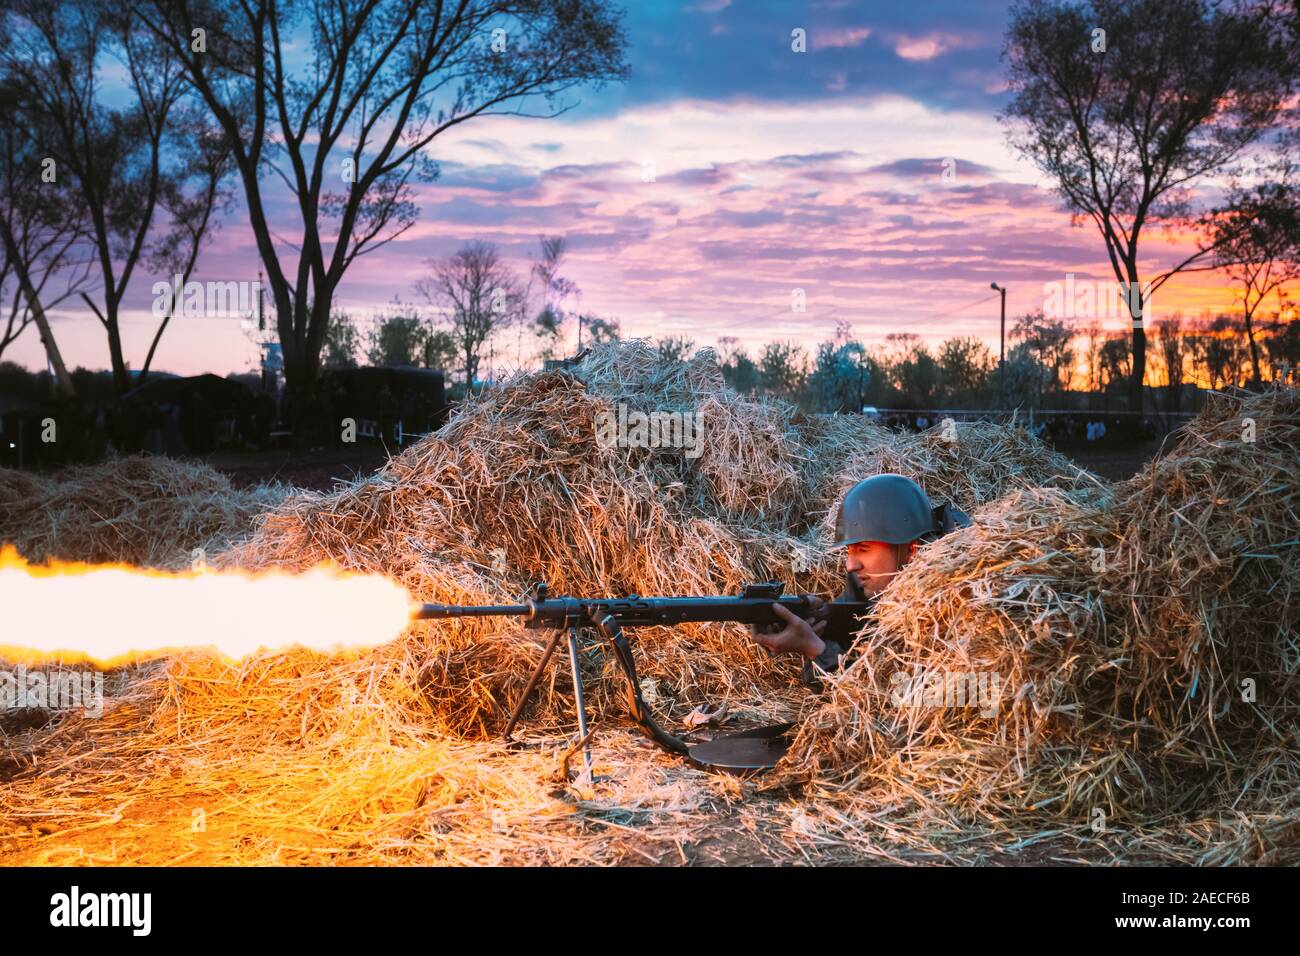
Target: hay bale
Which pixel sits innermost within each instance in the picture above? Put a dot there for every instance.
(635, 372)
(148, 511)
(516, 489)
(1007, 596)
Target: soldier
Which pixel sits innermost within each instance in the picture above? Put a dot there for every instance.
(882, 521)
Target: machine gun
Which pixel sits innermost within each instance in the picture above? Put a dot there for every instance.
(749, 751)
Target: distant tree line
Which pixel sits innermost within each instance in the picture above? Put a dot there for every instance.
(1050, 364)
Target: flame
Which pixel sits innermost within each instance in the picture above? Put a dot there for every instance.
(110, 614)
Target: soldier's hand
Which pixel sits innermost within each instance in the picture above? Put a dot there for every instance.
(817, 608)
(796, 636)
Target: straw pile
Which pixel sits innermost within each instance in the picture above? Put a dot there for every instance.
(1121, 628)
(147, 511)
(516, 488)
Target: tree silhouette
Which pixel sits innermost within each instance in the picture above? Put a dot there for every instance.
(341, 101)
(1125, 104)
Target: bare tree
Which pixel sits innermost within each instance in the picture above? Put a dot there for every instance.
(206, 154)
(477, 294)
(1257, 239)
(32, 264)
(1126, 103)
(549, 322)
(342, 100)
(37, 241)
(39, 232)
(124, 165)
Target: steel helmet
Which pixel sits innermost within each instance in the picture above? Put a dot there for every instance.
(888, 508)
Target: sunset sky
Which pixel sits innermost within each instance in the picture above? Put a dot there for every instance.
(774, 170)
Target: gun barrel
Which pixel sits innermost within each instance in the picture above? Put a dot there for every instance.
(426, 612)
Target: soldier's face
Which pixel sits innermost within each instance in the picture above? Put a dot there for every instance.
(874, 563)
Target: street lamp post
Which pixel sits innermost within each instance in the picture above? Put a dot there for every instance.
(1002, 346)
(861, 395)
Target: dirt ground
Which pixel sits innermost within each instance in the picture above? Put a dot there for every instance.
(1114, 461)
(316, 469)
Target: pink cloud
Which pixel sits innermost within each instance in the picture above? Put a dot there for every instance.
(928, 46)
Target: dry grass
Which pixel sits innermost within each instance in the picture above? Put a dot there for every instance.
(163, 778)
(389, 756)
(141, 510)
